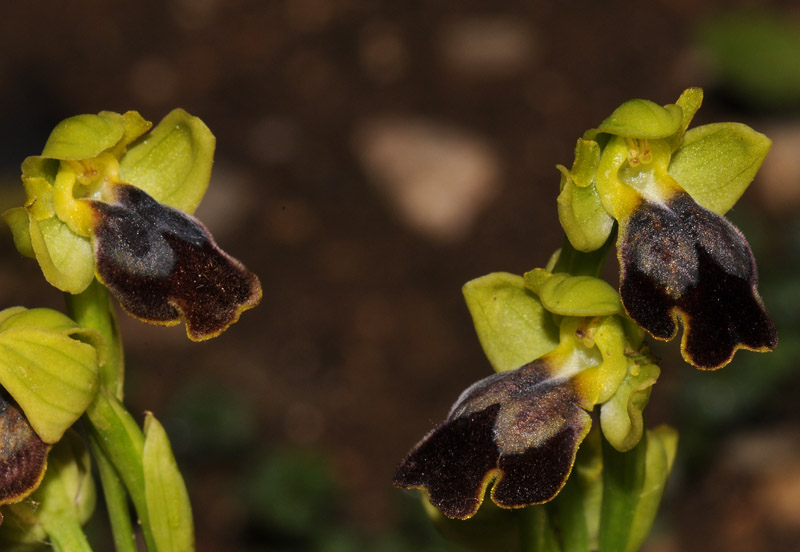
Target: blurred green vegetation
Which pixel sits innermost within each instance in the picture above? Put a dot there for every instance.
(755, 57)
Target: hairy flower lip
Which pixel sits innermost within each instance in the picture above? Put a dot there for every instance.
(23, 455)
(680, 260)
(163, 264)
(520, 428)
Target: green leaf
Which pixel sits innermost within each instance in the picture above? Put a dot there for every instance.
(511, 323)
(537, 533)
(717, 162)
(168, 506)
(621, 417)
(84, 136)
(643, 119)
(633, 483)
(173, 162)
(66, 259)
(51, 376)
(579, 296)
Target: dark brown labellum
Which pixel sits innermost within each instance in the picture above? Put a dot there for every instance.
(162, 264)
(681, 259)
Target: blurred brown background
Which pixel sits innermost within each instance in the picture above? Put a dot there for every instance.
(372, 156)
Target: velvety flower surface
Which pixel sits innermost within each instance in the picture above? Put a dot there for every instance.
(681, 260)
(521, 428)
(162, 263)
(23, 455)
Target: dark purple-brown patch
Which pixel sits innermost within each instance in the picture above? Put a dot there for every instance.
(681, 259)
(520, 427)
(23, 455)
(162, 264)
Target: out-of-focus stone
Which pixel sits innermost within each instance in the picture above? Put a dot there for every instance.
(777, 181)
(487, 46)
(437, 178)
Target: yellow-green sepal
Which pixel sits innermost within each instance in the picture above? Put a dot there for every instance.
(49, 366)
(168, 506)
(512, 326)
(172, 163)
(66, 259)
(84, 136)
(716, 163)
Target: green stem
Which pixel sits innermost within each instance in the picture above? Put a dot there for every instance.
(116, 499)
(66, 535)
(578, 263)
(93, 309)
(112, 428)
(536, 533)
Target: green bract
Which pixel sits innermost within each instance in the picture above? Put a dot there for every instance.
(167, 499)
(85, 156)
(49, 366)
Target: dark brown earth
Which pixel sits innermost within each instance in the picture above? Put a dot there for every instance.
(327, 115)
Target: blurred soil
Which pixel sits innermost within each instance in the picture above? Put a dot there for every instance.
(372, 156)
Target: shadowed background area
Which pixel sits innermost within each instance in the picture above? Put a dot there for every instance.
(372, 156)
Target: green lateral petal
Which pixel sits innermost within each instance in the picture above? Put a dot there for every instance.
(135, 126)
(51, 376)
(37, 166)
(621, 418)
(511, 323)
(643, 119)
(84, 136)
(168, 504)
(689, 102)
(717, 162)
(173, 162)
(66, 259)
